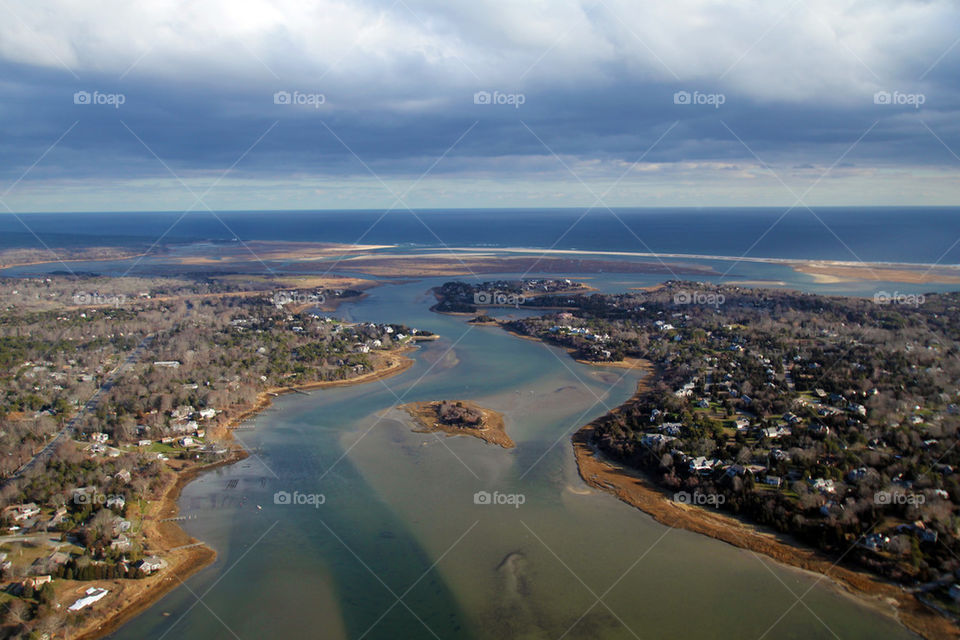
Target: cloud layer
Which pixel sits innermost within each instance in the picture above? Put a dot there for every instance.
(347, 104)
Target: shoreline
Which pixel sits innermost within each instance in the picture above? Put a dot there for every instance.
(169, 534)
(635, 489)
(265, 397)
(822, 271)
(700, 256)
(166, 534)
(34, 263)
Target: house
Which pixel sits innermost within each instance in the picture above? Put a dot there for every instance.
(36, 581)
(876, 541)
(208, 413)
(93, 594)
(685, 391)
(858, 409)
(701, 465)
(671, 428)
(120, 543)
(57, 517)
(741, 424)
(187, 441)
(655, 440)
(99, 438)
(735, 470)
(775, 432)
(116, 501)
(21, 512)
(773, 481)
(182, 412)
(857, 474)
(150, 564)
(123, 475)
(823, 485)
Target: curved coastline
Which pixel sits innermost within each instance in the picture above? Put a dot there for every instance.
(635, 489)
(168, 535)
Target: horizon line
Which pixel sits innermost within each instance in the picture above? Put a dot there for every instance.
(471, 209)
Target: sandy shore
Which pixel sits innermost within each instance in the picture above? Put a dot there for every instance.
(266, 250)
(465, 264)
(627, 363)
(93, 254)
(460, 261)
(130, 598)
(832, 274)
(637, 490)
(424, 415)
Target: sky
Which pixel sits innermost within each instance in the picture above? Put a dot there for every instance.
(285, 104)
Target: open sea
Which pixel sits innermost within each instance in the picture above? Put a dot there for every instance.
(877, 234)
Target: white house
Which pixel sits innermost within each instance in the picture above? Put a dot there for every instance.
(93, 594)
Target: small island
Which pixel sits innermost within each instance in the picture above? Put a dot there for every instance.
(459, 417)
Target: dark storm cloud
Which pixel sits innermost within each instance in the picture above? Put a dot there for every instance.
(581, 84)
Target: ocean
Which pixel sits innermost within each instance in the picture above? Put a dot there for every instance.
(877, 234)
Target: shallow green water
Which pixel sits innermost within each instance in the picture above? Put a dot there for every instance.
(400, 549)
